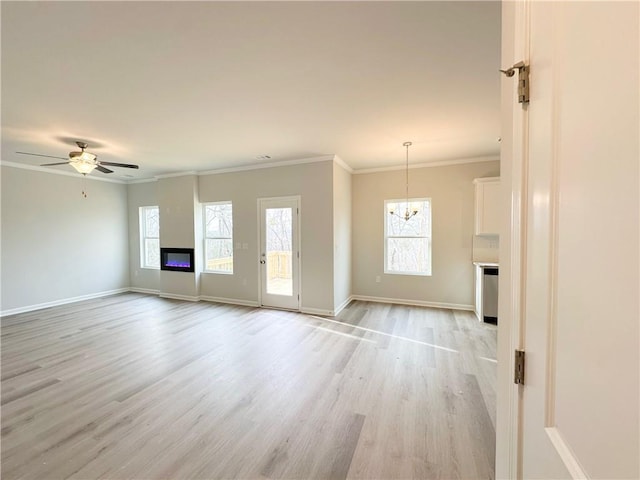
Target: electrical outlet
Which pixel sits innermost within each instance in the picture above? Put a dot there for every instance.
(377, 278)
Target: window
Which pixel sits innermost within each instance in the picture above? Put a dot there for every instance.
(407, 243)
(218, 237)
(149, 237)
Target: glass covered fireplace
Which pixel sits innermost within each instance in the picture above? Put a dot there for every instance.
(176, 259)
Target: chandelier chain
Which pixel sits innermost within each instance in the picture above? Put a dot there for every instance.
(408, 212)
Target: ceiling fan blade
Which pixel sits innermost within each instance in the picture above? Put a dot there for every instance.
(125, 165)
(51, 164)
(100, 168)
(40, 155)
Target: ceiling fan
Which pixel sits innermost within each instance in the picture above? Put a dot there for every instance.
(83, 162)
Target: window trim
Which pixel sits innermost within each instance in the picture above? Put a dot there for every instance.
(429, 237)
(205, 238)
(143, 235)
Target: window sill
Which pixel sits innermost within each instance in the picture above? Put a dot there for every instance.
(410, 274)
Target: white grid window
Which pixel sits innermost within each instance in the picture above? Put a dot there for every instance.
(218, 237)
(407, 243)
(149, 237)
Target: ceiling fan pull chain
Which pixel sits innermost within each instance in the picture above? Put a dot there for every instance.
(84, 185)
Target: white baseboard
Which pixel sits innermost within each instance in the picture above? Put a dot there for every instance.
(63, 301)
(173, 296)
(343, 305)
(317, 311)
(149, 291)
(417, 303)
(232, 301)
(235, 301)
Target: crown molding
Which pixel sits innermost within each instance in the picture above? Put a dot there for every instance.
(322, 158)
(442, 163)
(36, 168)
(342, 163)
(177, 174)
(485, 180)
(142, 180)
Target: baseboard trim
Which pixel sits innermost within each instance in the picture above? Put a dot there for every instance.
(317, 311)
(231, 301)
(417, 303)
(64, 301)
(235, 301)
(173, 296)
(343, 305)
(148, 291)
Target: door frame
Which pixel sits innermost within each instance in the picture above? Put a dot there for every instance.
(296, 234)
(513, 247)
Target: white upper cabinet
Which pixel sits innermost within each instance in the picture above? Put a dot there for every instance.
(488, 206)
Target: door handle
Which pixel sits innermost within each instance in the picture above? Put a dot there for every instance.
(263, 261)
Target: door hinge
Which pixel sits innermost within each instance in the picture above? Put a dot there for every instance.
(518, 370)
(298, 254)
(523, 80)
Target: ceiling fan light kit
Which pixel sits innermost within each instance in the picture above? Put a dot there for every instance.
(83, 167)
(83, 162)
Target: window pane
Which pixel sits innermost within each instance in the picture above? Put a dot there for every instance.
(410, 255)
(219, 220)
(152, 252)
(152, 222)
(279, 229)
(219, 255)
(279, 233)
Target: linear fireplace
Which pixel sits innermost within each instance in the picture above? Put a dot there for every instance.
(177, 259)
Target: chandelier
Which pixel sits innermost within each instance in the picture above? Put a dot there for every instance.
(409, 212)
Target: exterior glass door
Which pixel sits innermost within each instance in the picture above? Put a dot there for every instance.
(279, 259)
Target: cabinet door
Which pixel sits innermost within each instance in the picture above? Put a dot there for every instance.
(487, 207)
(491, 210)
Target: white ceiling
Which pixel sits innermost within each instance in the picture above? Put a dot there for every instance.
(177, 86)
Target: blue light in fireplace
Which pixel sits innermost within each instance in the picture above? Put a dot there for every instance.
(180, 260)
(178, 264)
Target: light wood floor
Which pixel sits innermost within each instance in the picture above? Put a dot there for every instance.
(135, 386)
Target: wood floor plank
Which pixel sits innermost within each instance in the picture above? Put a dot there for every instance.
(136, 386)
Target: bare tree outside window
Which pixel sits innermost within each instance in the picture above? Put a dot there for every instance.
(149, 237)
(279, 240)
(408, 242)
(218, 219)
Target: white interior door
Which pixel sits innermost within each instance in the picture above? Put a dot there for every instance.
(279, 252)
(575, 188)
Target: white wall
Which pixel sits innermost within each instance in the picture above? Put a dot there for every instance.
(452, 195)
(141, 195)
(57, 245)
(313, 182)
(341, 235)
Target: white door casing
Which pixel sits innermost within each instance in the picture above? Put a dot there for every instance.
(572, 159)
